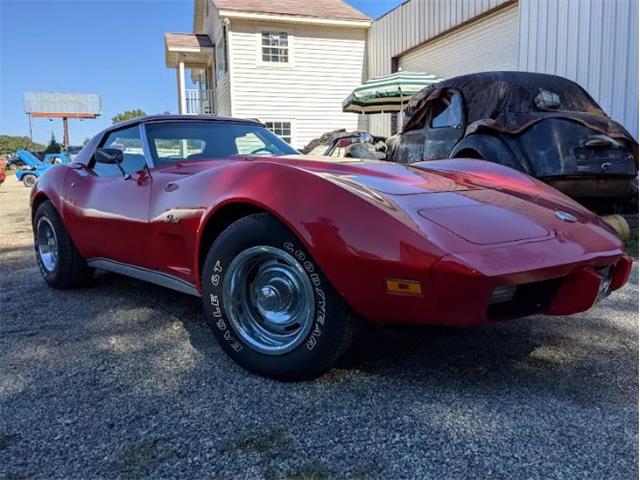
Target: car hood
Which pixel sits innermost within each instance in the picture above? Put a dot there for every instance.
(479, 208)
(476, 202)
(384, 177)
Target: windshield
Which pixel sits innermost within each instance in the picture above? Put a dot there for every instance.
(172, 142)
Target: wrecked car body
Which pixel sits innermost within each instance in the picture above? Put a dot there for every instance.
(340, 143)
(546, 126)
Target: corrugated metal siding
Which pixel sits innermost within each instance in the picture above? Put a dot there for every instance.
(490, 43)
(593, 42)
(409, 25)
(326, 65)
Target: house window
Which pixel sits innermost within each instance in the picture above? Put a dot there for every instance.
(275, 47)
(221, 56)
(282, 129)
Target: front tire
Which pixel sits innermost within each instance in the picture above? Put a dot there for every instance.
(270, 307)
(29, 180)
(60, 263)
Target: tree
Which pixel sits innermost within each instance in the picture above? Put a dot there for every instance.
(10, 144)
(54, 146)
(128, 115)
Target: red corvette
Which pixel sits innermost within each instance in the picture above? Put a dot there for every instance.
(288, 251)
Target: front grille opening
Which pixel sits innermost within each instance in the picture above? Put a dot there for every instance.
(522, 300)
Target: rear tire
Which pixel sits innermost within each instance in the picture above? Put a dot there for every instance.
(29, 180)
(60, 263)
(270, 307)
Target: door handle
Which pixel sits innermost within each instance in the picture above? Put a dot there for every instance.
(170, 187)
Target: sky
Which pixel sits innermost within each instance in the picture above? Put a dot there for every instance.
(110, 47)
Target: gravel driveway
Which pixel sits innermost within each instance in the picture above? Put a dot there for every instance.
(123, 380)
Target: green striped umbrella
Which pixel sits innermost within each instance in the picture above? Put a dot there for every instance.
(387, 94)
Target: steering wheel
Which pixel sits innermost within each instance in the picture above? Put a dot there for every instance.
(261, 149)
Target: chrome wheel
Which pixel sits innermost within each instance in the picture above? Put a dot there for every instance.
(269, 299)
(47, 244)
(29, 180)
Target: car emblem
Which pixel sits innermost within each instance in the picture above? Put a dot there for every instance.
(565, 217)
(605, 166)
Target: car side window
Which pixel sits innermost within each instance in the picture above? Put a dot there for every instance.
(446, 112)
(127, 140)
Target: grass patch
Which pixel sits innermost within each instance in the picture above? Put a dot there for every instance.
(282, 459)
(310, 472)
(269, 443)
(5, 441)
(365, 472)
(13, 476)
(274, 446)
(137, 459)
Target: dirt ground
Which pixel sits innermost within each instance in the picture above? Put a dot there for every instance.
(123, 380)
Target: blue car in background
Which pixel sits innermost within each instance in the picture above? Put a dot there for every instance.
(34, 167)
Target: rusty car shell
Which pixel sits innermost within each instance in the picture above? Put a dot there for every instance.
(543, 125)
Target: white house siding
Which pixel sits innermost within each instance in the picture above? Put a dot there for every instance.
(409, 25)
(222, 90)
(326, 64)
(593, 42)
(489, 43)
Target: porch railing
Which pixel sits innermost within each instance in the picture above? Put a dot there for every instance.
(199, 101)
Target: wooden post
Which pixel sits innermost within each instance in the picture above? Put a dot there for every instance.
(65, 135)
(30, 133)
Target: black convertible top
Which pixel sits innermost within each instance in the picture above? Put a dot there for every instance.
(181, 118)
(511, 101)
(84, 156)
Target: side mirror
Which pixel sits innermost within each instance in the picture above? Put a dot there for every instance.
(109, 156)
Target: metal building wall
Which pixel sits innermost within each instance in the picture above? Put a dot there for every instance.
(593, 42)
(409, 25)
(488, 43)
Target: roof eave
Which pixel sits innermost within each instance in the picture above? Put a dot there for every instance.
(273, 17)
(195, 56)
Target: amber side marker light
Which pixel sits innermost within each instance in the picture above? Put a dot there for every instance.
(399, 286)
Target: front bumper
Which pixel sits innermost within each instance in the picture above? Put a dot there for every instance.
(464, 292)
